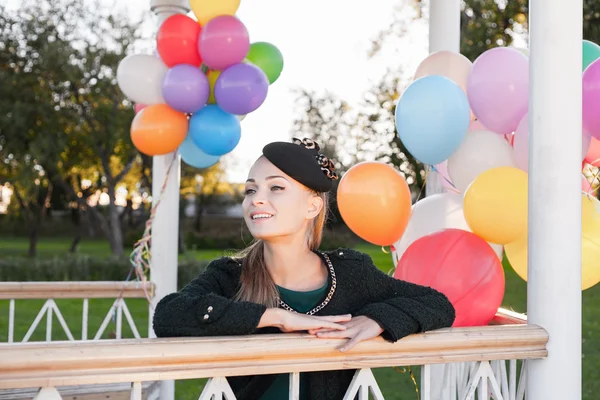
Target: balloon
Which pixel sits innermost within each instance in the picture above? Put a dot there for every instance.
(521, 144)
(215, 131)
(476, 125)
(452, 65)
(510, 138)
(212, 76)
(224, 41)
(591, 52)
(374, 201)
(205, 10)
(193, 156)
(241, 89)
(516, 252)
(498, 88)
(140, 77)
(479, 152)
(268, 58)
(432, 118)
(586, 185)
(139, 107)
(158, 130)
(495, 205)
(523, 51)
(177, 41)
(591, 99)
(186, 88)
(433, 214)
(442, 170)
(592, 156)
(462, 266)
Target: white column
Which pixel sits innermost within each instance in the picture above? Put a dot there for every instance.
(444, 34)
(165, 226)
(554, 274)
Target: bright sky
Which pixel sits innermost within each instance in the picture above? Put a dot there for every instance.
(324, 45)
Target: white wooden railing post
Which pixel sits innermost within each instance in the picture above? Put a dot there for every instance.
(444, 34)
(165, 226)
(554, 284)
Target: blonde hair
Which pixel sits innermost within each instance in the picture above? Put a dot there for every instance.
(256, 284)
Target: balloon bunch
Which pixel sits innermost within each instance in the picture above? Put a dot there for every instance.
(470, 122)
(205, 78)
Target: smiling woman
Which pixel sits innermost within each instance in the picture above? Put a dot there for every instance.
(284, 283)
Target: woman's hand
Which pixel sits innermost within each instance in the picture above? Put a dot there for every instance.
(358, 329)
(288, 321)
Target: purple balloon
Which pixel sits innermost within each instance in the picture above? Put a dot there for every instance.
(241, 89)
(591, 99)
(185, 88)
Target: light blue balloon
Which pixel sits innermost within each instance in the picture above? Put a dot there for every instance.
(432, 118)
(193, 156)
(214, 131)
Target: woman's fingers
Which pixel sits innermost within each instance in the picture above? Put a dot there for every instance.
(351, 343)
(335, 318)
(348, 333)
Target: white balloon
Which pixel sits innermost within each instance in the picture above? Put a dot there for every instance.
(481, 150)
(433, 214)
(140, 77)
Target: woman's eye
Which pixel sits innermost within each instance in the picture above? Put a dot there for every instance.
(249, 191)
(275, 188)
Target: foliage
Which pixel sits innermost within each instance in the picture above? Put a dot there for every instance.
(63, 119)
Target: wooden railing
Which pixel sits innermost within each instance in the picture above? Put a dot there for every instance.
(455, 362)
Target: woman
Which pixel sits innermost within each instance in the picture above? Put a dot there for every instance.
(284, 283)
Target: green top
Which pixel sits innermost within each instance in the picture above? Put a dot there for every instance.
(301, 302)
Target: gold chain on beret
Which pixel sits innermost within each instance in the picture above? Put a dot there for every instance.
(324, 162)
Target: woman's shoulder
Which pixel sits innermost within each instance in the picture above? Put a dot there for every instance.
(347, 256)
(224, 265)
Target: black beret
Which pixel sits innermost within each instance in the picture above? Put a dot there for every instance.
(302, 161)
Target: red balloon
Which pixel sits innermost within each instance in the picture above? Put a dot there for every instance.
(461, 265)
(177, 41)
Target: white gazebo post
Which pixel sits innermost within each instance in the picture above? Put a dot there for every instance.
(165, 226)
(554, 274)
(444, 34)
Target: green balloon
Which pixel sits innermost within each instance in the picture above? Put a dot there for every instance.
(268, 58)
(591, 52)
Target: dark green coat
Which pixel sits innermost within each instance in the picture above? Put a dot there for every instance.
(401, 308)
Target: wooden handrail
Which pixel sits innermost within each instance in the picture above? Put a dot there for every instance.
(75, 363)
(74, 290)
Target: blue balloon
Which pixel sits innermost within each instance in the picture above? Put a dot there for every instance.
(432, 118)
(215, 131)
(193, 156)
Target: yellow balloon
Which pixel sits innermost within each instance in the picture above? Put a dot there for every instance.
(495, 205)
(212, 79)
(516, 252)
(205, 10)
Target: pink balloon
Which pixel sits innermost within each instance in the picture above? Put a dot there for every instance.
(591, 99)
(593, 154)
(586, 186)
(498, 88)
(223, 41)
(510, 138)
(521, 144)
(139, 107)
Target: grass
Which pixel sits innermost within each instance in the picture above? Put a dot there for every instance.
(394, 384)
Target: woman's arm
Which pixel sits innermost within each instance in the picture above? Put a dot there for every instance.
(402, 308)
(202, 309)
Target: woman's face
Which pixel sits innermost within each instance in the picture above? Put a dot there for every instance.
(275, 205)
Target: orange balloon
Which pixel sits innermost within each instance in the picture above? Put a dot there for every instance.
(158, 130)
(375, 202)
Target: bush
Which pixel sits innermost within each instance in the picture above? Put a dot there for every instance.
(82, 268)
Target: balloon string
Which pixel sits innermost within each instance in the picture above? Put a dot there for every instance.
(412, 377)
(453, 188)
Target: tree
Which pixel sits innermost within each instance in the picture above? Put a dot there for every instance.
(64, 118)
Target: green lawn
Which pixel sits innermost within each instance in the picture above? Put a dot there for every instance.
(395, 385)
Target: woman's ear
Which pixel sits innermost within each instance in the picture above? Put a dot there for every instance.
(315, 205)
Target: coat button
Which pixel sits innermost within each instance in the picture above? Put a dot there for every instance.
(206, 317)
(341, 253)
(210, 308)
